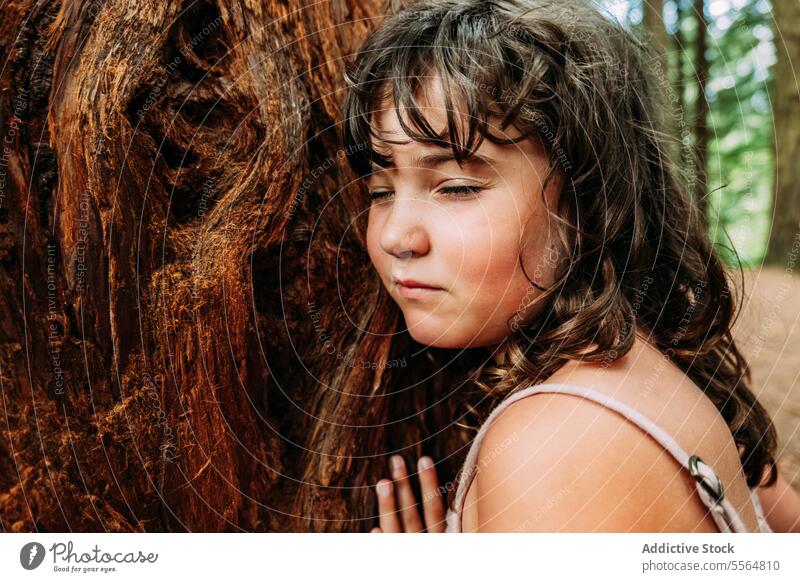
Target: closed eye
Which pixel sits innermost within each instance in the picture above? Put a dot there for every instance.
(464, 191)
(379, 195)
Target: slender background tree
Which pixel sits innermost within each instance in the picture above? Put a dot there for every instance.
(785, 220)
(701, 130)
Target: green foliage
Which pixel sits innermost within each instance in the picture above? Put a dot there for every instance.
(740, 161)
(740, 151)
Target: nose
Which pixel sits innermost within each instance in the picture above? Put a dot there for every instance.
(404, 235)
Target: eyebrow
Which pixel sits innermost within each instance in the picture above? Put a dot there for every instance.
(438, 159)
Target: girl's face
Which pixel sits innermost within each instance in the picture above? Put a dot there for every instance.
(459, 230)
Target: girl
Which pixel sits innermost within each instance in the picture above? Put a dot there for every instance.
(523, 207)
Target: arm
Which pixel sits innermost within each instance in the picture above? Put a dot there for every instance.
(781, 506)
(561, 463)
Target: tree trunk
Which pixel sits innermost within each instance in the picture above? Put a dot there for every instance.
(683, 132)
(174, 211)
(783, 240)
(653, 21)
(657, 37)
(701, 133)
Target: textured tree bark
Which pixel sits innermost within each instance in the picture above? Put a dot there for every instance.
(784, 238)
(175, 214)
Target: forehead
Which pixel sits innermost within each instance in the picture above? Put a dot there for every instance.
(432, 107)
(386, 122)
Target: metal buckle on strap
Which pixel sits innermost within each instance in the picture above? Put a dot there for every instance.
(715, 491)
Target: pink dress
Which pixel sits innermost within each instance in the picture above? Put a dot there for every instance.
(708, 484)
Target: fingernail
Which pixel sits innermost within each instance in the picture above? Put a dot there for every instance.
(425, 463)
(397, 462)
(383, 488)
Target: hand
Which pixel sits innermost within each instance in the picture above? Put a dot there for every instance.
(398, 493)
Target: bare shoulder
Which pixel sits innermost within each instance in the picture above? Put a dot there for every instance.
(554, 462)
(557, 462)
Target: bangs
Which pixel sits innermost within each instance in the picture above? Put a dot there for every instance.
(461, 46)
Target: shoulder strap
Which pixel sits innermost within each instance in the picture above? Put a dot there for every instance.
(763, 525)
(708, 484)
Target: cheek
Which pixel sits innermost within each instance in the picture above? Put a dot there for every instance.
(489, 261)
(491, 279)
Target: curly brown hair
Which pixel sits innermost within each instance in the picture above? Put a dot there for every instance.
(639, 255)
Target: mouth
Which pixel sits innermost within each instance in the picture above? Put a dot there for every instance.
(412, 289)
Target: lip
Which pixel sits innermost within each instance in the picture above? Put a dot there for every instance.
(412, 289)
(413, 283)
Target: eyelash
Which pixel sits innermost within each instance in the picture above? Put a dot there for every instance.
(453, 191)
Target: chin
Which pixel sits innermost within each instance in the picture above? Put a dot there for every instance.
(432, 336)
(437, 337)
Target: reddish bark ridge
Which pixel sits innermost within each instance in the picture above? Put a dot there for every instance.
(177, 348)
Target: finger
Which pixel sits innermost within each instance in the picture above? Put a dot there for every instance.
(389, 519)
(376, 530)
(405, 496)
(432, 502)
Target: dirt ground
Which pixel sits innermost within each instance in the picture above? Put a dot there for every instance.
(768, 332)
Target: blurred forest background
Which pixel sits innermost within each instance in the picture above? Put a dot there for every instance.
(727, 69)
(724, 50)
